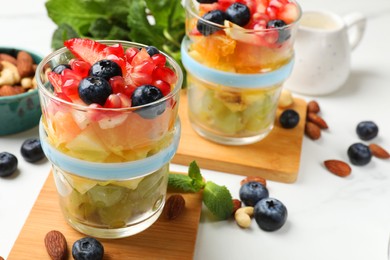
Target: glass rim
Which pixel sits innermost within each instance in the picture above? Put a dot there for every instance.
(189, 8)
(42, 89)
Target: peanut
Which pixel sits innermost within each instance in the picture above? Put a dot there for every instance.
(285, 99)
(243, 220)
(243, 216)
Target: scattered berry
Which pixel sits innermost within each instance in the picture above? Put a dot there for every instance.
(146, 94)
(94, 90)
(238, 13)
(367, 130)
(289, 118)
(359, 154)
(215, 16)
(105, 69)
(87, 248)
(252, 192)
(270, 214)
(31, 150)
(8, 164)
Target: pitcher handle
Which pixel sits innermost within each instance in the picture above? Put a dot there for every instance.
(356, 25)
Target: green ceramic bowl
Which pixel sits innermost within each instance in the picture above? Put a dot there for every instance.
(19, 112)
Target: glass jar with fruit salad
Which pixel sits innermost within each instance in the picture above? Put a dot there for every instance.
(237, 54)
(109, 127)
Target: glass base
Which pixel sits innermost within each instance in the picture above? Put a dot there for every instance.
(116, 232)
(230, 140)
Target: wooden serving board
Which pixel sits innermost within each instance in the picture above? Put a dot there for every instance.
(276, 157)
(165, 239)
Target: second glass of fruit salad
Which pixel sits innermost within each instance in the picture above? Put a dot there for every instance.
(109, 127)
(237, 54)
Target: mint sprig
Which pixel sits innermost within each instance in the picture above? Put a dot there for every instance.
(216, 198)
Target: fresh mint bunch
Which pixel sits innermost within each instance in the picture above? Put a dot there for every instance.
(216, 198)
(159, 23)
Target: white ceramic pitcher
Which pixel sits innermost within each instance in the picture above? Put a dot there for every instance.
(322, 51)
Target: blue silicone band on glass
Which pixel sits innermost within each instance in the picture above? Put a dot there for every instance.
(109, 171)
(247, 81)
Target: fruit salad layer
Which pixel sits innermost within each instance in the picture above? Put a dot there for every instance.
(230, 113)
(113, 102)
(111, 204)
(242, 36)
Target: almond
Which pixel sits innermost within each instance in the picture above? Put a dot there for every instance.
(24, 63)
(56, 246)
(254, 178)
(236, 205)
(316, 119)
(313, 107)
(7, 57)
(338, 167)
(8, 90)
(379, 151)
(174, 206)
(312, 130)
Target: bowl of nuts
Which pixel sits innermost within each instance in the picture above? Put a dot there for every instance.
(19, 101)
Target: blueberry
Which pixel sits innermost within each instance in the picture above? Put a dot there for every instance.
(87, 248)
(289, 118)
(215, 16)
(284, 33)
(251, 192)
(270, 214)
(238, 14)
(8, 164)
(359, 154)
(146, 94)
(105, 69)
(59, 68)
(151, 50)
(94, 90)
(206, 1)
(31, 150)
(367, 130)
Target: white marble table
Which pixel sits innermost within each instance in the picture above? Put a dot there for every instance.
(329, 217)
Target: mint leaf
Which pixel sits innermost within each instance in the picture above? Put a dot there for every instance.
(196, 176)
(181, 182)
(62, 33)
(218, 200)
(194, 172)
(100, 28)
(142, 29)
(80, 14)
(76, 13)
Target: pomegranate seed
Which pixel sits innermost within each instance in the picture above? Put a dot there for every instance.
(129, 89)
(80, 67)
(113, 101)
(163, 86)
(165, 74)
(70, 80)
(130, 54)
(125, 100)
(117, 84)
(159, 60)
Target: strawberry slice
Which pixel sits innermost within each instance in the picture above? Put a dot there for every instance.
(92, 51)
(85, 49)
(56, 80)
